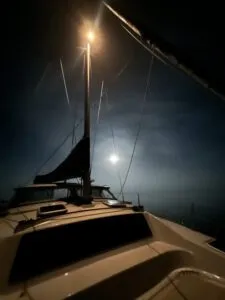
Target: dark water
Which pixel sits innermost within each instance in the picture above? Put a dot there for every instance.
(204, 213)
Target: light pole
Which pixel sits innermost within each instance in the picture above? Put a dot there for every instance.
(87, 53)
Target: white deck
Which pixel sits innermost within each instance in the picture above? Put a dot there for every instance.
(173, 261)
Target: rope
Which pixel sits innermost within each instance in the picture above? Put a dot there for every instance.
(165, 57)
(140, 122)
(42, 77)
(122, 70)
(68, 101)
(64, 82)
(97, 122)
(75, 126)
(114, 144)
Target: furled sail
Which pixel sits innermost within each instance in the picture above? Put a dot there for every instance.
(75, 165)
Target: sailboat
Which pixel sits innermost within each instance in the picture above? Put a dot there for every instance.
(61, 240)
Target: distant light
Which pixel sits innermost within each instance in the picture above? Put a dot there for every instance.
(113, 159)
(66, 274)
(91, 36)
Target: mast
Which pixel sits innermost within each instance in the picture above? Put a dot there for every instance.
(77, 163)
(86, 177)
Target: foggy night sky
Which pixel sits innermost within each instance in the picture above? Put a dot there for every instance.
(182, 142)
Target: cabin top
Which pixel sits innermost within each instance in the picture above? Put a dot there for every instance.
(55, 191)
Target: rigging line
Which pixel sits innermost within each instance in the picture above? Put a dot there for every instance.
(77, 60)
(74, 139)
(140, 121)
(83, 67)
(91, 73)
(57, 149)
(114, 144)
(121, 71)
(97, 121)
(68, 100)
(42, 77)
(54, 152)
(145, 46)
(172, 60)
(64, 82)
(92, 107)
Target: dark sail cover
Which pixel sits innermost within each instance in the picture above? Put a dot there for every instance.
(75, 165)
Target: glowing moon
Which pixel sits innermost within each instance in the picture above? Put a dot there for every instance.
(113, 159)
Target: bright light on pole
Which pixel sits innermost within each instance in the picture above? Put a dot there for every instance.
(114, 159)
(90, 36)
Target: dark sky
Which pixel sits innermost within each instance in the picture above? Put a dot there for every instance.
(182, 141)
